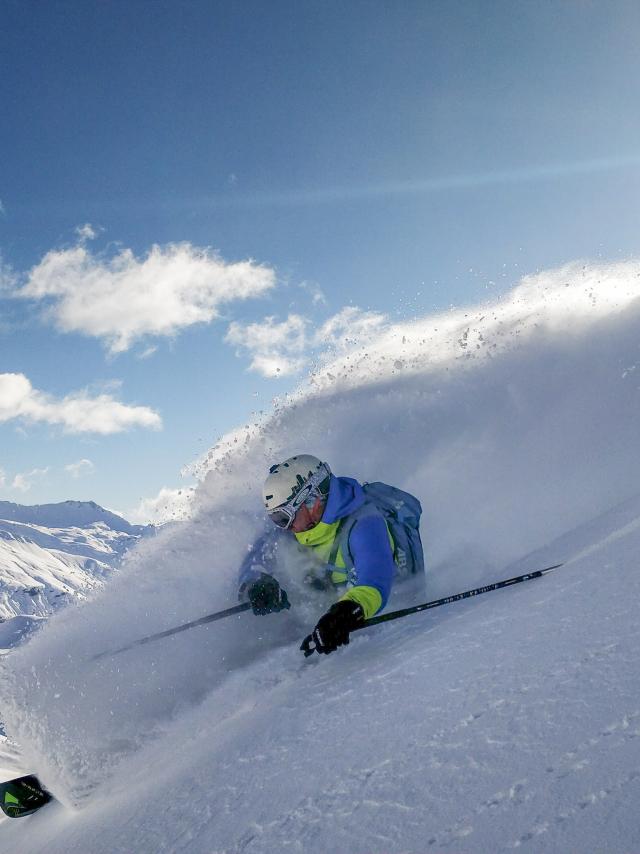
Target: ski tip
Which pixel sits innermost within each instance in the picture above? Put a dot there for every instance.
(22, 796)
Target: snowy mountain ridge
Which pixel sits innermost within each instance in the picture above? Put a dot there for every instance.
(54, 553)
(67, 514)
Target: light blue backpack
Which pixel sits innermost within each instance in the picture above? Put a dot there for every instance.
(401, 511)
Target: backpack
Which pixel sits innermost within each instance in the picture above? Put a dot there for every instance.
(401, 511)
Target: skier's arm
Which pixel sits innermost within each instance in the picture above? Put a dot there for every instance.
(256, 582)
(260, 559)
(372, 555)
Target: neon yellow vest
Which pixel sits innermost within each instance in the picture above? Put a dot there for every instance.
(320, 538)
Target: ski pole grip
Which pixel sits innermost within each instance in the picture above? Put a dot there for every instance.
(306, 646)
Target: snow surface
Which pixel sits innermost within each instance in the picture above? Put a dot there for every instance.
(508, 721)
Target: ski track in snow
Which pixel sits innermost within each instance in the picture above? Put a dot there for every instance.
(507, 722)
(518, 741)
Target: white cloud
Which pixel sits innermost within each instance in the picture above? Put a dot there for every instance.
(280, 349)
(275, 365)
(86, 232)
(3, 210)
(315, 292)
(8, 278)
(148, 352)
(422, 186)
(81, 468)
(122, 299)
(78, 412)
(23, 482)
(276, 348)
(169, 505)
(3, 477)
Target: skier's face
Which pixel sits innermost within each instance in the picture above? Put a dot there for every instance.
(307, 517)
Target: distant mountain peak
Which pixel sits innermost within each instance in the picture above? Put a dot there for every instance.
(67, 514)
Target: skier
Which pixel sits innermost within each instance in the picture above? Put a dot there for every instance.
(364, 536)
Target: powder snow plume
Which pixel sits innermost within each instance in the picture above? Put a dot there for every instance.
(512, 421)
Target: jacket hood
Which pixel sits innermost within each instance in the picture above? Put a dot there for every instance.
(345, 496)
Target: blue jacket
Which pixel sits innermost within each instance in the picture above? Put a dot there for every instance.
(370, 548)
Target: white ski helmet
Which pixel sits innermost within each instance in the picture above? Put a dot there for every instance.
(286, 479)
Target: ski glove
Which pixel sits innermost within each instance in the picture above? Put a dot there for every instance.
(266, 595)
(333, 627)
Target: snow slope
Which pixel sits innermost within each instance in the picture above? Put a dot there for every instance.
(51, 555)
(503, 722)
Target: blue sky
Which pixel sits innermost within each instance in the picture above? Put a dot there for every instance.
(306, 171)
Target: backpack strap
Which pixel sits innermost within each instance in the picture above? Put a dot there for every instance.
(343, 532)
(338, 541)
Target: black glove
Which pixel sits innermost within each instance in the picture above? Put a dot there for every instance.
(333, 627)
(266, 595)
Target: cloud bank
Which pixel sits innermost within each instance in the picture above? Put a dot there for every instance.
(122, 299)
(77, 412)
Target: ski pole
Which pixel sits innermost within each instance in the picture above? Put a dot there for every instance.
(308, 646)
(210, 618)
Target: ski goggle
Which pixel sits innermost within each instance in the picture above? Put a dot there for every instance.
(316, 487)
